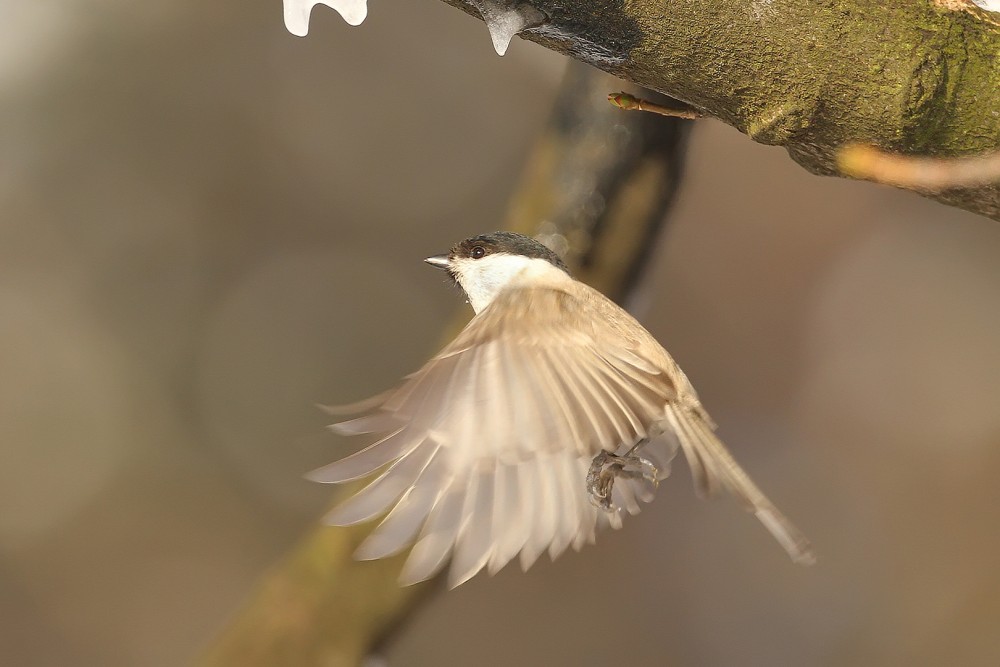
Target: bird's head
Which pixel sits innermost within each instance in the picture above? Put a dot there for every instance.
(484, 265)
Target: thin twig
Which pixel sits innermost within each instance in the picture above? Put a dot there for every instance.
(926, 174)
(632, 103)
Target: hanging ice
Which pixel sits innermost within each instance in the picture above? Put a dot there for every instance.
(506, 18)
(297, 13)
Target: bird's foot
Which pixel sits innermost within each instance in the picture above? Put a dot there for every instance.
(607, 467)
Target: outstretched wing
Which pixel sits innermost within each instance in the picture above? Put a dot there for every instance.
(486, 448)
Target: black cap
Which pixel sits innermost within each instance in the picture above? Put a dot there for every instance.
(510, 243)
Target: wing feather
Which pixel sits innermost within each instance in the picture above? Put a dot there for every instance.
(432, 549)
(376, 498)
(401, 526)
(535, 545)
(476, 545)
(521, 494)
(390, 448)
(504, 514)
(587, 410)
(564, 411)
(566, 485)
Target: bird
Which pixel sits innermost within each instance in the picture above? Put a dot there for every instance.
(549, 416)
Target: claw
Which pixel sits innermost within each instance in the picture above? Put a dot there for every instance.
(600, 481)
(606, 467)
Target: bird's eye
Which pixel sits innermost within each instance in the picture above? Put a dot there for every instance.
(478, 252)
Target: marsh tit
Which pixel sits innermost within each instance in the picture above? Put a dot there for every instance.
(550, 415)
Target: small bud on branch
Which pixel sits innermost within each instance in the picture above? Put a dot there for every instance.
(632, 103)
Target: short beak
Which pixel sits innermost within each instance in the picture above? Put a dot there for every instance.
(439, 261)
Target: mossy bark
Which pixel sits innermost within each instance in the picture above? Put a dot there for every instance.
(920, 77)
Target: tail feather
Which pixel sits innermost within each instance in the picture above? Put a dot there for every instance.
(713, 466)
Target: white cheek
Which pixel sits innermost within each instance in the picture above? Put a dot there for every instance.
(482, 290)
(482, 279)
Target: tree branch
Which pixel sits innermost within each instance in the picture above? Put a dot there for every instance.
(916, 78)
(317, 607)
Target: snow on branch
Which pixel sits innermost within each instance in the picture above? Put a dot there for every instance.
(297, 13)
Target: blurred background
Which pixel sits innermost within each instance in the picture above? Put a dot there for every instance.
(207, 226)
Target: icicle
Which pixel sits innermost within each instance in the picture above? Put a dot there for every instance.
(297, 13)
(506, 18)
